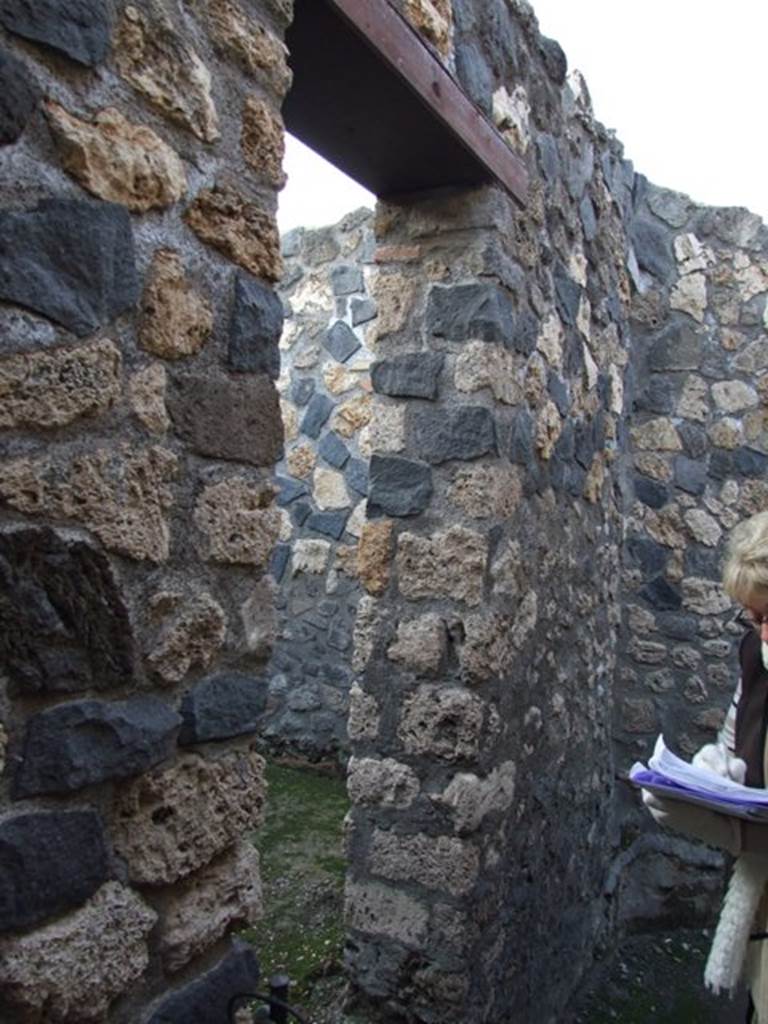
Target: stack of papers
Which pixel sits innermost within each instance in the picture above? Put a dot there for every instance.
(671, 776)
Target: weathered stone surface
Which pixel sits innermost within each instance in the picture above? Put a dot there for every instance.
(73, 968)
(420, 644)
(374, 555)
(434, 20)
(147, 393)
(263, 142)
(511, 115)
(333, 450)
(329, 489)
(237, 420)
(258, 617)
(250, 44)
(339, 379)
(463, 312)
(255, 327)
(176, 319)
(319, 409)
(352, 416)
(208, 997)
(238, 522)
(705, 597)
(657, 435)
(398, 487)
(341, 341)
(347, 279)
(483, 365)
(122, 495)
(690, 296)
(221, 706)
(380, 910)
(652, 248)
(55, 387)
(470, 798)
(79, 29)
(364, 711)
(734, 396)
(440, 435)
(301, 460)
(57, 235)
(445, 722)
(436, 862)
(171, 822)
(237, 227)
(37, 851)
(356, 475)
(486, 491)
(84, 742)
(311, 555)
(385, 782)
(191, 631)
(678, 347)
(414, 375)
(449, 564)
(387, 427)
(164, 68)
(118, 160)
(19, 97)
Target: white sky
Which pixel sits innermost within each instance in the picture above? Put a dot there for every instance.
(682, 83)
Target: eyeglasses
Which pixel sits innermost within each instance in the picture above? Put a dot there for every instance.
(747, 620)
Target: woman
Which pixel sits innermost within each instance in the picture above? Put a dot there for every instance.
(741, 752)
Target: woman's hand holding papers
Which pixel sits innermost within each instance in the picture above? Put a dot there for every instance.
(698, 822)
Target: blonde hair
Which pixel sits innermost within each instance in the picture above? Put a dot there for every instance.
(745, 573)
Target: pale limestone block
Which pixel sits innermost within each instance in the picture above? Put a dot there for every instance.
(689, 295)
(170, 822)
(222, 895)
(751, 277)
(731, 340)
(667, 527)
(338, 378)
(657, 435)
(535, 382)
(481, 364)
(484, 492)
(118, 160)
(290, 418)
(446, 722)
(306, 357)
(756, 428)
(381, 910)
(301, 461)
(705, 597)
(387, 427)
(175, 319)
(549, 426)
(356, 522)
(310, 556)
(470, 798)
(657, 467)
(364, 446)
(450, 564)
(352, 415)
(640, 620)
(577, 265)
(290, 334)
(250, 44)
(703, 527)
(364, 715)
(191, 630)
(420, 644)
(693, 403)
(239, 227)
(550, 341)
(73, 968)
(313, 297)
(147, 390)
(57, 386)
(690, 254)
(368, 622)
(346, 560)
(584, 323)
(591, 372)
(394, 296)
(434, 20)
(436, 862)
(329, 489)
(385, 782)
(262, 141)
(286, 525)
(734, 396)
(512, 116)
(374, 555)
(487, 647)
(159, 64)
(726, 433)
(238, 522)
(595, 481)
(257, 615)
(753, 358)
(729, 492)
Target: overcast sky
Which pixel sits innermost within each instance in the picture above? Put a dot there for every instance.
(682, 83)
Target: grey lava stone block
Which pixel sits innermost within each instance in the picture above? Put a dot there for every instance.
(441, 435)
(398, 487)
(222, 706)
(79, 29)
(468, 311)
(255, 327)
(341, 341)
(18, 98)
(414, 375)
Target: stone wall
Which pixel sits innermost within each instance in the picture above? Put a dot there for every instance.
(141, 154)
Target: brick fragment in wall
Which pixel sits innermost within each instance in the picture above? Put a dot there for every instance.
(398, 487)
(240, 229)
(121, 494)
(39, 247)
(374, 557)
(116, 159)
(341, 341)
(64, 625)
(237, 420)
(80, 30)
(191, 629)
(467, 311)
(170, 822)
(237, 521)
(147, 394)
(84, 742)
(37, 850)
(222, 706)
(414, 375)
(263, 142)
(162, 66)
(73, 968)
(440, 435)
(385, 782)
(55, 387)
(446, 722)
(19, 98)
(208, 997)
(470, 798)
(255, 326)
(250, 44)
(436, 862)
(224, 894)
(382, 910)
(448, 564)
(175, 319)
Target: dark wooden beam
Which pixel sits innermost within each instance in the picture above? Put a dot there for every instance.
(370, 96)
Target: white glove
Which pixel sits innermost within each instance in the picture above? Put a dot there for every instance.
(717, 758)
(710, 827)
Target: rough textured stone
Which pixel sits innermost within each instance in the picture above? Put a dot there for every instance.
(221, 706)
(118, 160)
(364, 711)
(255, 327)
(341, 341)
(329, 489)
(374, 555)
(436, 862)
(79, 29)
(705, 597)
(37, 851)
(690, 296)
(652, 248)
(444, 722)
(120, 494)
(19, 97)
(420, 644)
(483, 365)
(75, 967)
(55, 387)
(448, 564)
(221, 896)
(208, 998)
(678, 347)
(237, 420)
(704, 527)
(263, 142)
(311, 555)
(237, 227)
(511, 115)
(386, 782)
(440, 435)
(147, 393)
(398, 487)
(657, 435)
(301, 460)
(414, 375)
(380, 910)
(486, 491)
(470, 798)
(84, 742)
(176, 320)
(352, 416)
(250, 44)
(347, 279)
(387, 427)
(259, 619)
(238, 522)
(57, 235)
(191, 631)
(165, 69)
(169, 823)
(463, 312)
(734, 396)
(434, 20)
